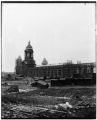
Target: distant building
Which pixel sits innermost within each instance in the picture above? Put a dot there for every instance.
(27, 67)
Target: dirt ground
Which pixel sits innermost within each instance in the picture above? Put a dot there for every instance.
(49, 103)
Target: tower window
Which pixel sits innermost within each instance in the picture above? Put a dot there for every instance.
(28, 54)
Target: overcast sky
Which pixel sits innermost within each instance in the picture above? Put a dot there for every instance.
(58, 32)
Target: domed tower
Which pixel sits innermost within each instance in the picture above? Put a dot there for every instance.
(29, 61)
(44, 62)
(19, 61)
(18, 66)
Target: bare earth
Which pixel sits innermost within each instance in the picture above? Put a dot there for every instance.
(49, 103)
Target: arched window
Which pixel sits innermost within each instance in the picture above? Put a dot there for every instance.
(28, 54)
(31, 55)
(89, 69)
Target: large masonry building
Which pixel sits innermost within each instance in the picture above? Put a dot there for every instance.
(27, 67)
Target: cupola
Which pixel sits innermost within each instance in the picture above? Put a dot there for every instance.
(29, 46)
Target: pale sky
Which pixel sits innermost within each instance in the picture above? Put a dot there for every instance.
(57, 31)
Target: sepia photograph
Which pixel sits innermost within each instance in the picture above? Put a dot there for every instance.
(48, 59)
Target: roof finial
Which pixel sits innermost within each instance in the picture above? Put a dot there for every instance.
(29, 42)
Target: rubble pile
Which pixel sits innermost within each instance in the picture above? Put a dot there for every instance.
(79, 104)
(82, 110)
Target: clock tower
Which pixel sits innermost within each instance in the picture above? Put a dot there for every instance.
(29, 60)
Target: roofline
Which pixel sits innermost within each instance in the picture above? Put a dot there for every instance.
(65, 64)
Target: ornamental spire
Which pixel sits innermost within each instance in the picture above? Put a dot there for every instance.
(29, 46)
(29, 42)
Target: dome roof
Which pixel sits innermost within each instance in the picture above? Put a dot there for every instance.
(29, 46)
(19, 58)
(44, 62)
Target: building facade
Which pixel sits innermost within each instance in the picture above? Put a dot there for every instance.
(28, 62)
(27, 67)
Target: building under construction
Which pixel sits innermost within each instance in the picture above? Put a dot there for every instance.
(27, 67)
